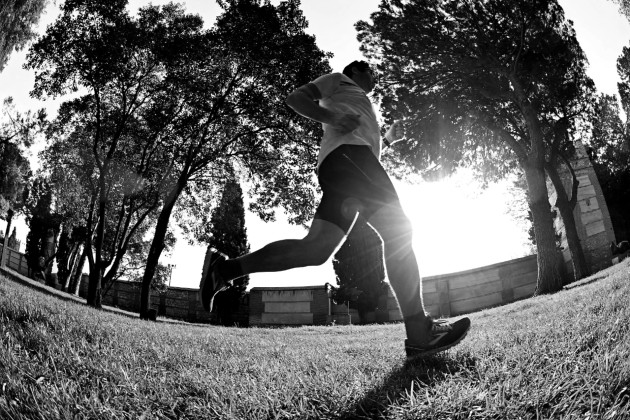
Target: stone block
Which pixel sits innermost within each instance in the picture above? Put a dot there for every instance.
(525, 279)
(287, 295)
(287, 307)
(588, 205)
(595, 228)
(525, 291)
(464, 280)
(591, 216)
(430, 286)
(286, 319)
(177, 303)
(477, 303)
(584, 180)
(585, 191)
(476, 290)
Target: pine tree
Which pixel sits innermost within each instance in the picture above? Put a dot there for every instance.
(229, 236)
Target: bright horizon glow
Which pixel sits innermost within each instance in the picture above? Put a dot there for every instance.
(456, 227)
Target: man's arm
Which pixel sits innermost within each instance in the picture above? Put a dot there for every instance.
(395, 133)
(302, 100)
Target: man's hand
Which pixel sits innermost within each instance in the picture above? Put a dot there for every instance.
(396, 132)
(345, 123)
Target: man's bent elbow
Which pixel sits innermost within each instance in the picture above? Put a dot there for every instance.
(295, 98)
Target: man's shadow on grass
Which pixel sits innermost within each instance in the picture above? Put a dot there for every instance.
(410, 381)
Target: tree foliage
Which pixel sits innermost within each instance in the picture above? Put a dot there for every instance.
(481, 83)
(624, 7)
(17, 18)
(17, 132)
(229, 235)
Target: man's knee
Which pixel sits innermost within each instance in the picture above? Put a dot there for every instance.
(317, 252)
(321, 242)
(393, 225)
(396, 230)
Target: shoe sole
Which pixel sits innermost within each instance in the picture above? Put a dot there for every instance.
(424, 353)
(205, 272)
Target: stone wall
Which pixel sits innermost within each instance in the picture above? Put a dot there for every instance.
(16, 261)
(288, 305)
(177, 302)
(480, 288)
(444, 295)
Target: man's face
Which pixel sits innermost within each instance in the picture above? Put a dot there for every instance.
(365, 79)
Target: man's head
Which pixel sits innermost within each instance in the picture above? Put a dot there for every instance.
(361, 73)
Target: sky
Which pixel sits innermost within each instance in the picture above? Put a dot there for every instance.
(456, 226)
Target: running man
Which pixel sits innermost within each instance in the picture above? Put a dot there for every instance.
(352, 181)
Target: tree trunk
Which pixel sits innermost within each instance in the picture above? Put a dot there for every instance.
(566, 206)
(71, 266)
(77, 276)
(549, 274)
(157, 246)
(49, 251)
(94, 297)
(5, 252)
(95, 287)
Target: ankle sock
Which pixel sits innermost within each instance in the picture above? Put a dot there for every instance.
(417, 317)
(230, 270)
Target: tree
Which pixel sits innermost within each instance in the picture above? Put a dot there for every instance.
(359, 268)
(17, 17)
(111, 141)
(481, 81)
(229, 236)
(253, 57)
(624, 7)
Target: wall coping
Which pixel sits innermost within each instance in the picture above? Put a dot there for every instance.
(479, 269)
(280, 288)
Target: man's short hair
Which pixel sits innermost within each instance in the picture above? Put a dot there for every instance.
(360, 65)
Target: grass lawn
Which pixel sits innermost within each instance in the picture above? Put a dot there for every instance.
(559, 356)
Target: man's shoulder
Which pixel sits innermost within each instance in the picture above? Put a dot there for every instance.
(329, 83)
(329, 78)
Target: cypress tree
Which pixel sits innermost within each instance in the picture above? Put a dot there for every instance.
(359, 268)
(229, 236)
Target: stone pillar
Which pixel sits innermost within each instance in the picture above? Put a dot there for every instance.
(591, 215)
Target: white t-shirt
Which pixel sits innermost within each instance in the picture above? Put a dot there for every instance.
(342, 94)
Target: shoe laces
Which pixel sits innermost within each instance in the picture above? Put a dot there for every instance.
(440, 325)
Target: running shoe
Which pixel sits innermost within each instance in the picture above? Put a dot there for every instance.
(444, 335)
(211, 282)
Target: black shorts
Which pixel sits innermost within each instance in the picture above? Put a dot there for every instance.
(352, 180)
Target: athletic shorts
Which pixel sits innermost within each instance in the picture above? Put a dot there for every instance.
(352, 180)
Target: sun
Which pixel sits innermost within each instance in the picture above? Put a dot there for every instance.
(457, 226)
